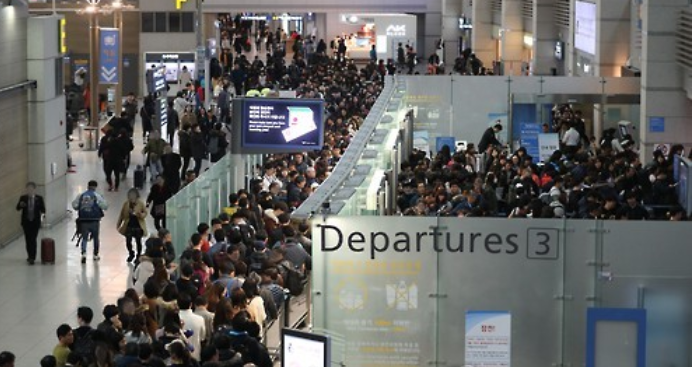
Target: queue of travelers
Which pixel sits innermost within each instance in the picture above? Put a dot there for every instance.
(209, 305)
(583, 179)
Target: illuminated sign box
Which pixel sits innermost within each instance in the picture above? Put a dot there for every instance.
(281, 125)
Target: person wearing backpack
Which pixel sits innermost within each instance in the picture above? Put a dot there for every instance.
(227, 277)
(294, 251)
(90, 206)
(258, 257)
(84, 344)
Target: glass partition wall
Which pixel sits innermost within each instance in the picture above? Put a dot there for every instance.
(464, 106)
(204, 198)
(404, 291)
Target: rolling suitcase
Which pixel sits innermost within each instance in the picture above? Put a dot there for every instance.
(47, 251)
(140, 177)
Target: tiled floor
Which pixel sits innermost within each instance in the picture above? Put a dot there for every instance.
(34, 300)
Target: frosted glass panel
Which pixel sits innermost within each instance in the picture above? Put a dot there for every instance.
(378, 303)
(616, 344)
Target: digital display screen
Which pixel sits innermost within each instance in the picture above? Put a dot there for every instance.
(300, 349)
(282, 125)
(586, 27)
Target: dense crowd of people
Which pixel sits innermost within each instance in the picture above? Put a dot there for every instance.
(210, 304)
(584, 179)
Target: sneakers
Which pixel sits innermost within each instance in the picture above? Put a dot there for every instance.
(84, 259)
(96, 258)
(131, 257)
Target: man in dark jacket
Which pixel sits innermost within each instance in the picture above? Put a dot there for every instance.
(198, 148)
(123, 148)
(238, 77)
(489, 137)
(130, 110)
(172, 122)
(32, 208)
(171, 162)
(185, 148)
(223, 103)
(109, 151)
(217, 143)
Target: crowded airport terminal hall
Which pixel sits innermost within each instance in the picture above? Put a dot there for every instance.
(364, 183)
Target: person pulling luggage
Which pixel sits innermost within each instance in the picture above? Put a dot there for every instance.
(32, 207)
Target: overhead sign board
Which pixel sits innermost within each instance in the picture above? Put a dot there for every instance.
(109, 41)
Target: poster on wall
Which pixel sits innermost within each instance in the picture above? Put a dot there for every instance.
(442, 141)
(499, 118)
(487, 339)
(374, 303)
(662, 147)
(421, 141)
(529, 138)
(548, 143)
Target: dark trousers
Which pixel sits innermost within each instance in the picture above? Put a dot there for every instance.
(224, 115)
(111, 168)
(186, 164)
(239, 88)
(138, 242)
(31, 231)
(90, 227)
(198, 166)
(171, 136)
(159, 222)
(126, 165)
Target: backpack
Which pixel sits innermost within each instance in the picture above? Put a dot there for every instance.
(88, 207)
(198, 279)
(246, 231)
(293, 280)
(85, 347)
(230, 286)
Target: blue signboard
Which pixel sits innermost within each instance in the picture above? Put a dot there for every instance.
(656, 124)
(529, 138)
(445, 140)
(108, 55)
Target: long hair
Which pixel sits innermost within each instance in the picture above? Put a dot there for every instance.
(223, 313)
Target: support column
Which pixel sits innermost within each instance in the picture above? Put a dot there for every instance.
(512, 38)
(94, 72)
(662, 93)
(46, 108)
(483, 44)
(432, 29)
(452, 10)
(613, 37)
(545, 37)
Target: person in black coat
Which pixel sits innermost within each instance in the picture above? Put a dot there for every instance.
(158, 195)
(198, 148)
(489, 137)
(109, 151)
(147, 113)
(184, 148)
(32, 207)
(172, 122)
(172, 163)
